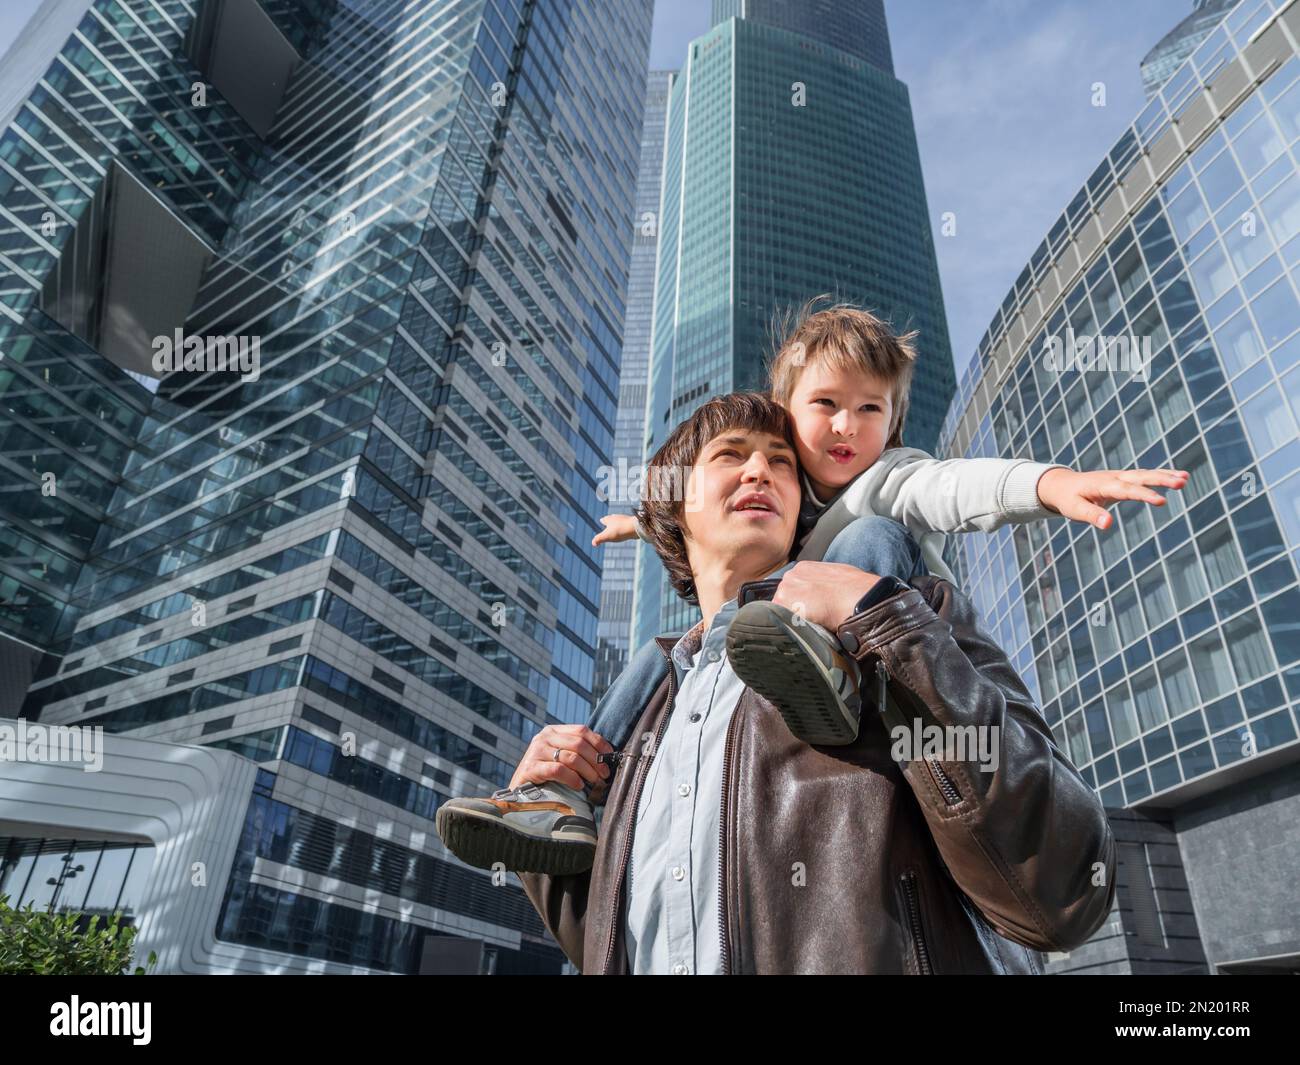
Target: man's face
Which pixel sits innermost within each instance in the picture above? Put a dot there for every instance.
(841, 422)
(743, 502)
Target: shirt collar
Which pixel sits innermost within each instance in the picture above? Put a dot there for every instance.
(686, 649)
(810, 497)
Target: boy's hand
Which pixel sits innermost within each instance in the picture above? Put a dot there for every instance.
(1083, 496)
(618, 527)
(823, 592)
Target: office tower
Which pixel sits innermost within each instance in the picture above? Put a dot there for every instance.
(1165, 651)
(858, 29)
(1180, 42)
(362, 560)
(619, 560)
(790, 170)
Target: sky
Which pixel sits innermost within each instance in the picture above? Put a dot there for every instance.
(13, 16)
(1001, 96)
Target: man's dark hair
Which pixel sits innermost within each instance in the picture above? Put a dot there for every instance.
(661, 513)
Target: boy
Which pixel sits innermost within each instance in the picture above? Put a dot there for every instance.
(868, 501)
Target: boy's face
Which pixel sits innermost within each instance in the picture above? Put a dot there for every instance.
(841, 422)
(742, 502)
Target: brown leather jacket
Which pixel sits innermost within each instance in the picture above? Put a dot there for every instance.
(938, 867)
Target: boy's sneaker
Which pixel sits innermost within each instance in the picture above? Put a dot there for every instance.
(800, 668)
(534, 828)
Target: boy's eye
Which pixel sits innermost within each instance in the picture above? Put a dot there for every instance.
(828, 402)
(871, 406)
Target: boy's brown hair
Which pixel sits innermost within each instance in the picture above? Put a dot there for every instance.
(662, 519)
(844, 337)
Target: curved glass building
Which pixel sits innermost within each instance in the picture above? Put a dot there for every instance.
(1165, 651)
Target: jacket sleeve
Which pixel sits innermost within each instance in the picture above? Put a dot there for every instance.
(561, 902)
(947, 495)
(1028, 842)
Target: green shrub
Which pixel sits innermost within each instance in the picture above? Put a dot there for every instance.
(36, 943)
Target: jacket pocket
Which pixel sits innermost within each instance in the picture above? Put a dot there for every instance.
(916, 958)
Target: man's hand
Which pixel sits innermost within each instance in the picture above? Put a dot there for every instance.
(823, 592)
(1083, 496)
(578, 747)
(618, 527)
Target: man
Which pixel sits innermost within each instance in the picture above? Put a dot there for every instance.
(729, 845)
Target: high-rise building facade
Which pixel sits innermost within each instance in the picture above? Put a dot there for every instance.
(362, 558)
(1165, 651)
(790, 170)
(1159, 64)
(619, 561)
(856, 28)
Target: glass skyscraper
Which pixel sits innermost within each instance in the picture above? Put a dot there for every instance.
(619, 569)
(790, 170)
(366, 563)
(1176, 45)
(1165, 651)
(856, 28)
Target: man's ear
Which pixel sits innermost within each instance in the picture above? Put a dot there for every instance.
(679, 518)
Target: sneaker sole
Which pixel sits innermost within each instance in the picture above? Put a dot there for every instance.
(766, 655)
(482, 840)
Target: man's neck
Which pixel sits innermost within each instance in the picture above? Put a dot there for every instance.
(716, 585)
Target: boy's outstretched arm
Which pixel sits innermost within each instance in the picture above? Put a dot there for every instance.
(980, 495)
(1084, 495)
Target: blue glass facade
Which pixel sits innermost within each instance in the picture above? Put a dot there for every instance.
(619, 573)
(1165, 651)
(369, 567)
(1204, 638)
(858, 29)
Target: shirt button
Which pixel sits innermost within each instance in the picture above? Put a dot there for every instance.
(712, 656)
(680, 969)
(678, 872)
(695, 717)
(683, 790)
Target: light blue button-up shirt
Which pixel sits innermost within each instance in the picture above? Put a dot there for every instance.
(673, 911)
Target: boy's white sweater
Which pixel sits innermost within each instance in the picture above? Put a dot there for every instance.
(930, 497)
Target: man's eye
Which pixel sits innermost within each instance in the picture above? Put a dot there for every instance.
(783, 458)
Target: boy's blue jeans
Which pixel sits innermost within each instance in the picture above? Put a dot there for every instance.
(872, 544)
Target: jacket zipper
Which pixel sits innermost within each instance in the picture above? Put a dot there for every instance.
(948, 789)
(941, 779)
(724, 931)
(626, 855)
(908, 881)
